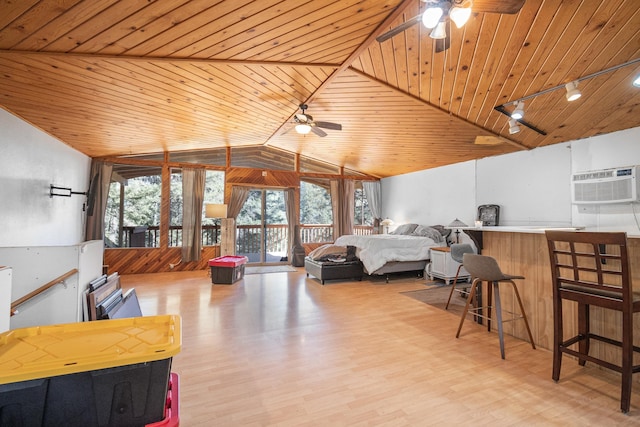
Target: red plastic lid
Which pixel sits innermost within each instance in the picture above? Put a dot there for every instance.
(228, 261)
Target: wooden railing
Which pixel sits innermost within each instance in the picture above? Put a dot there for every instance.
(248, 236)
(41, 289)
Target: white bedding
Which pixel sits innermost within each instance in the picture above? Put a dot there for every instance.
(376, 250)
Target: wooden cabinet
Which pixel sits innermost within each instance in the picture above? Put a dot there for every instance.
(444, 267)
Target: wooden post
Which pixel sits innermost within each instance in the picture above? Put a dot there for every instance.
(227, 236)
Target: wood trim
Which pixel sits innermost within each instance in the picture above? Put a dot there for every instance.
(41, 289)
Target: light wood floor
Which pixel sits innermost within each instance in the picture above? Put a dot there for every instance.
(281, 349)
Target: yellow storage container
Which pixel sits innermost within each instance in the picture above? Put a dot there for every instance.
(108, 372)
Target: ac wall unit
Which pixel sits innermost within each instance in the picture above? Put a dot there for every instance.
(616, 185)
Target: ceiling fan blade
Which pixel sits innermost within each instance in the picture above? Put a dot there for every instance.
(498, 6)
(318, 131)
(400, 28)
(329, 125)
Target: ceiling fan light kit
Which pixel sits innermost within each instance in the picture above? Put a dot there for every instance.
(303, 128)
(431, 16)
(460, 15)
(438, 13)
(440, 31)
(304, 123)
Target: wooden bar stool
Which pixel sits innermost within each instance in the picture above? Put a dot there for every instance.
(485, 268)
(592, 268)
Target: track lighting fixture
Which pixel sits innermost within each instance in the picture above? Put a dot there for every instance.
(518, 113)
(431, 16)
(573, 92)
(513, 126)
(303, 128)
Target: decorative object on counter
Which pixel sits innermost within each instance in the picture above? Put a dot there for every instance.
(457, 225)
(489, 215)
(385, 225)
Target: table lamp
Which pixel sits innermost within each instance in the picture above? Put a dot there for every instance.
(457, 224)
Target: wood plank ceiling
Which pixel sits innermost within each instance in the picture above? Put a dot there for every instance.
(120, 77)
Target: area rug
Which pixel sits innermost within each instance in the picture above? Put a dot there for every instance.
(264, 269)
(436, 296)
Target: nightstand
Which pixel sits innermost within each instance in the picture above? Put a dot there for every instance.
(444, 267)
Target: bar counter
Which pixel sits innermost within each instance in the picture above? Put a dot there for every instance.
(523, 251)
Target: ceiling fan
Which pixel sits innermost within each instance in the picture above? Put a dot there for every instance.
(438, 13)
(304, 123)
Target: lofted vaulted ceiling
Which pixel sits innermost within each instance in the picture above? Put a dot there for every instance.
(122, 77)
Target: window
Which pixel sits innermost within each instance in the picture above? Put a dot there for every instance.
(132, 217)
(213, 193)
(316, 214)
(362, 213)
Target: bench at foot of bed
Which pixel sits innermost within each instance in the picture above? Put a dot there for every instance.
(328, 270)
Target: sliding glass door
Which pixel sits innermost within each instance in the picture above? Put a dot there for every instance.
(263, 228)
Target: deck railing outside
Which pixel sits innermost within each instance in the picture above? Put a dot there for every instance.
(247, 238)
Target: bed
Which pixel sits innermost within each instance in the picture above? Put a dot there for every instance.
(405, 249)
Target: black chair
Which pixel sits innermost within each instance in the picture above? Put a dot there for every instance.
(592, 268)
(485, 268)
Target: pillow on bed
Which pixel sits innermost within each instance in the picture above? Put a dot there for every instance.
(443, 231)
(404, 229)
(426, 231)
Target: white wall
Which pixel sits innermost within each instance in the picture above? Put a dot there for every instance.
(532, 187)
(30, 161)
(608, 151)
(432, 196)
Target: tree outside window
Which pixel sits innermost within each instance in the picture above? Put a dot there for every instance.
(134, 202)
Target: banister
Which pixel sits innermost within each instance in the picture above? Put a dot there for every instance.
(40, 290)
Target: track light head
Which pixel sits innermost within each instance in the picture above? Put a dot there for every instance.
(636, 82)
(573, 92)
(518, 113)
(513, 126)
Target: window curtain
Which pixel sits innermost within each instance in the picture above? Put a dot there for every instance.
(374, 198)
(100, 179)
(290, 210)
(342, 204)
(239, 195)
(193, 182)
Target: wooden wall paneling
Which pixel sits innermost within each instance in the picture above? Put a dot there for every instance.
(154, 260)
